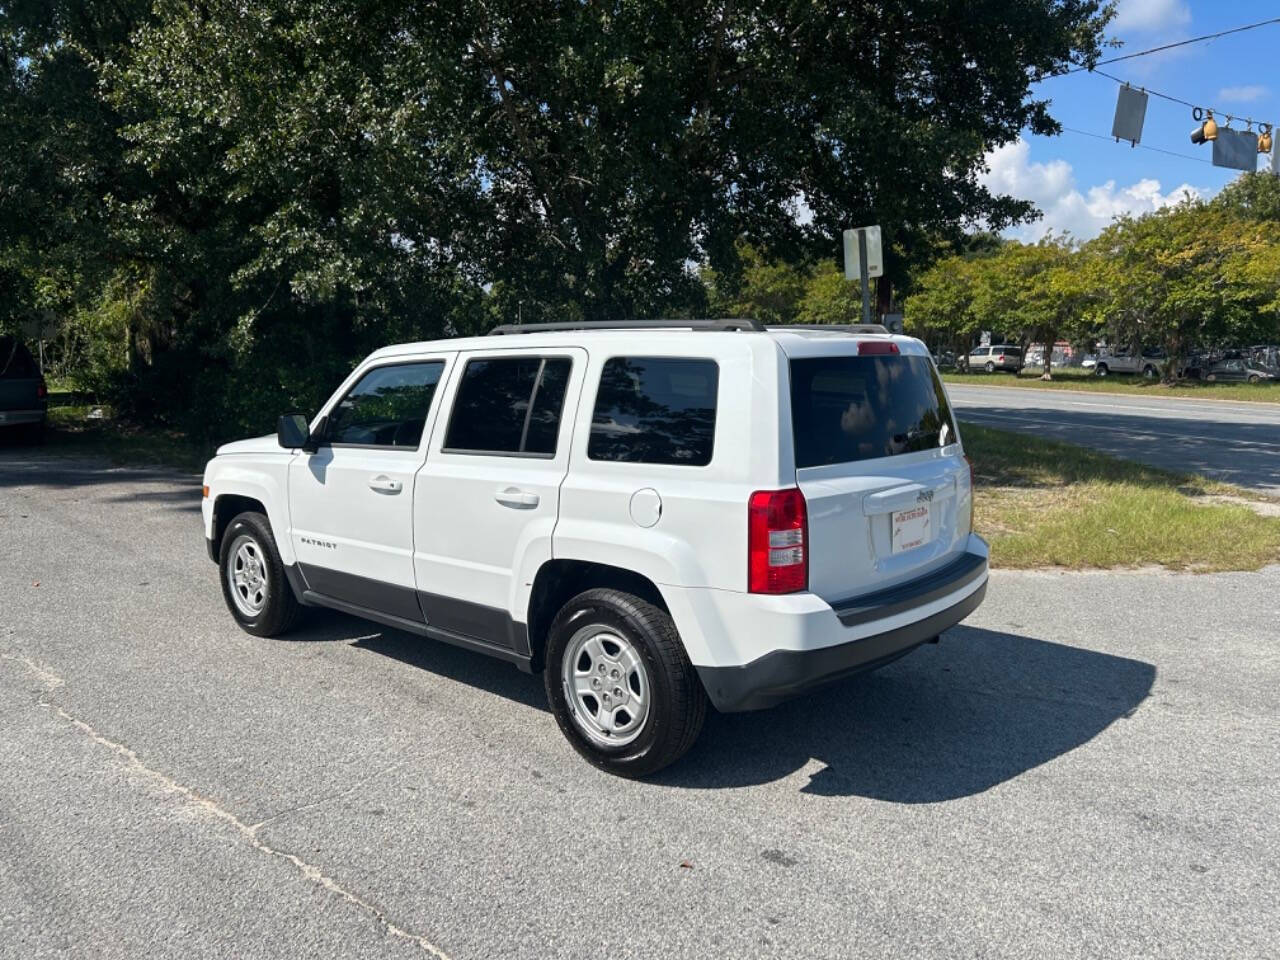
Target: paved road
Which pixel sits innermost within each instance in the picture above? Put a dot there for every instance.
(1048, 781)
(1236, 442)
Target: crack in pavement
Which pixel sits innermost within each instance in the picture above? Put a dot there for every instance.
(248, 831)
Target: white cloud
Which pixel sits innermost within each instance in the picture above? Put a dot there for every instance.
(1052, 188)
(1150, 15)
(1245, 94)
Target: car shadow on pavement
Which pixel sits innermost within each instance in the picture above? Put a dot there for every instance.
(945, 722)
(948, 721)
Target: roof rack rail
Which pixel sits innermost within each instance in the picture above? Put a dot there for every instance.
(834, 327)
(699, 324)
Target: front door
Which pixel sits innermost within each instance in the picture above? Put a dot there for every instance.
(487, 498)
(351, 502)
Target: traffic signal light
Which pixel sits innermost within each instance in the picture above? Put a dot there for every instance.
(1207, 131)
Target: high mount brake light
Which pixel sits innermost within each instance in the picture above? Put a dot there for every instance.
(871, 348)
(777, 542)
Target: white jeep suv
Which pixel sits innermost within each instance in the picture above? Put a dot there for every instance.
(657, 515)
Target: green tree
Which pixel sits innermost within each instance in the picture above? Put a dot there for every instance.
(1189, 275)
(268, 188)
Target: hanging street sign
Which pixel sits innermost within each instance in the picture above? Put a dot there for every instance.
(1236, 149)
(1131, 111)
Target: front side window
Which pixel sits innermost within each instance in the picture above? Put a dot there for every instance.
(387, 407)
(509, 405)
(655, 410)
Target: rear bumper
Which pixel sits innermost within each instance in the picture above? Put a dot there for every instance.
(945, 597)
(13, 418)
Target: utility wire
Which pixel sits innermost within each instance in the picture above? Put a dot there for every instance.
(1170, 46)
(1141, 146)
(1185, 103)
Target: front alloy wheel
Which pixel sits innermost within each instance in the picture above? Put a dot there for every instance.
(247, 575)
(253, 578)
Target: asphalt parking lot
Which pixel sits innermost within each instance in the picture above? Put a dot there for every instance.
(1231, 441)
(1085, 768)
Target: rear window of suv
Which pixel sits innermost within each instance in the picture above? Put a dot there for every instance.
(15, 361)
(845, 409)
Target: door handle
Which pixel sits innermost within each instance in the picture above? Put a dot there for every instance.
(384, 484)
(513, 497)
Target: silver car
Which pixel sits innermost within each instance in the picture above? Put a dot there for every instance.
(996, 357)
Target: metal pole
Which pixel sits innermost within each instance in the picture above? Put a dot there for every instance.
(862, 272)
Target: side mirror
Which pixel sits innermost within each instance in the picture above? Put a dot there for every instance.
(293, 431)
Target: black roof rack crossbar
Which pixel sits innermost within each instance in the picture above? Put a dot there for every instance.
(833, 327)
(733, 324)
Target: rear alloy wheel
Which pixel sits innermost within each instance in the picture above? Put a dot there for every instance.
(1212, 377)
(1254, 378)
(990, 367)
(1100, 370)
(253, 578)
(620, 683)
(1149, 372)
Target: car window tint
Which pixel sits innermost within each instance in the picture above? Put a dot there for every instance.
(16, 362)
(387, 407)
(548, 401)
(860, 408)
(509, 405)
(655, 410)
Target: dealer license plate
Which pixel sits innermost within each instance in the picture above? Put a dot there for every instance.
(912, 528)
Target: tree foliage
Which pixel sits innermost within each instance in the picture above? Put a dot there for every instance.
(244, 196)
(1192, 275)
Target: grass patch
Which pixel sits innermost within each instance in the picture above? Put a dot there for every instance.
(71, 433)
(1081, 380)
(1041, 503)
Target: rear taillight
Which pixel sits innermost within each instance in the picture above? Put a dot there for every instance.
(1000, 359)
(870, 348)
(777, 542)
(42, 390)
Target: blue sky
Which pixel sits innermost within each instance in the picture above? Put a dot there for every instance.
(1081, 182)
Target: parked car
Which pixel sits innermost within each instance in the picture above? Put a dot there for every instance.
(1089, 361)
(624, 509)
(1239, 370)
(1149, 363)
(23, 393)
(996, 357)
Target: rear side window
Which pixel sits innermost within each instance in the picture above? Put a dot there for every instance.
(509, 405)
(1011, 351)
(655, 410)
(387, 407)
(859, 408)
(15, 361)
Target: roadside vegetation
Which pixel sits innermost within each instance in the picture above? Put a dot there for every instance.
(1198, 275)
(1041, 503)
(1134, 386)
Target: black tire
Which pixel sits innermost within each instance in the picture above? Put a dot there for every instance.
(1149, 372)
(1212, 378)
(1254, 378)
(990, 367)
(280, 608)
(1101, 370)
(678, 704)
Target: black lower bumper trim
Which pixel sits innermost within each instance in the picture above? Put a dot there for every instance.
(783, 674)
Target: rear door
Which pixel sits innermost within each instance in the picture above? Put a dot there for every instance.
(878, 461)
(487, 499)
